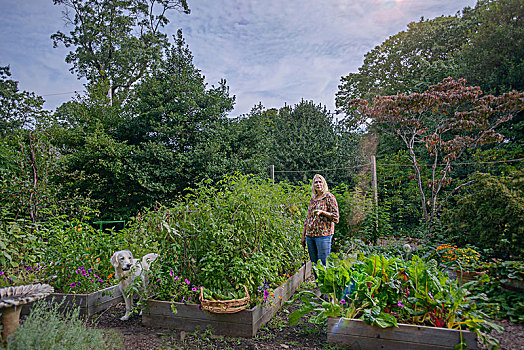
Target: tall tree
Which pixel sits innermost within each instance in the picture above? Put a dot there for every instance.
(28, 160)
(306, 137)
(409, 61)
(449, 119)
(178, 125)
(250, 140)
(493, 55)
(117, 41)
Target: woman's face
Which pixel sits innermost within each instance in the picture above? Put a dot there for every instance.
(317, 184)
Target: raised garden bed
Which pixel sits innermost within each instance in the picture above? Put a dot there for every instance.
(359, 335)
(467, 276)
(246, 323)
(89, 304)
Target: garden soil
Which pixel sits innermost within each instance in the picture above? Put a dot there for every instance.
(277, 334)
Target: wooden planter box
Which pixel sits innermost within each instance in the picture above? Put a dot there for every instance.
(513, 285)
(89, 304)
(359, 335)
(467, 276)
(246, 323)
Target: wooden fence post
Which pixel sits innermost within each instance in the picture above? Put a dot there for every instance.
(272, 172)
(374, 185)
(374, 179)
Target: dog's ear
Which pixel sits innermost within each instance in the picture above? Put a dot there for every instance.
(114, 259)
(130, 254)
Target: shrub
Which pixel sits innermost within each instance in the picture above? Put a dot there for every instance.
(490, 216)
(240, 231)
(47, 328)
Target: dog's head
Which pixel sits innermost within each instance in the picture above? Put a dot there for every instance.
(123, 260)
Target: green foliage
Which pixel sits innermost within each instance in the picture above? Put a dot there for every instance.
(68, 253)
(77, 256)
(240, 231)
(377, 223)
(250, 141)
(503, 301)
(18, 247)
(27, 158)
(170, 135)
(48, 328)
(492, 55)
(178, 126)
(398, 186)
(490, 216)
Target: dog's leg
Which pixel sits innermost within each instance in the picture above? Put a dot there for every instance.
(129, 306)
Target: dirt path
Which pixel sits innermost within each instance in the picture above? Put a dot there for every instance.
(277, 334)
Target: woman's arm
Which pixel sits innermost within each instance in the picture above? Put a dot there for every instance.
(332, 209)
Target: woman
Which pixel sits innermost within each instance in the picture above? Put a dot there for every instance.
(322, 215)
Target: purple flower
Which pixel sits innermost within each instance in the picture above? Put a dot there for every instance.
(176, 278)
(188, 298)
(172, 273)
(1, 273)
(194, 289)
(183, 298)
(399, 304)
(343, 302)
(187, 281)
(72, 285)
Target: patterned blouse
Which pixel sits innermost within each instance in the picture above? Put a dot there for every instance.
(319, 226)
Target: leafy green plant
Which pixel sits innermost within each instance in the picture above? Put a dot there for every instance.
(383, 291)
(240, 231)
(504, 300)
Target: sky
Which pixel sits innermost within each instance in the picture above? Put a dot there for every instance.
(274, 52)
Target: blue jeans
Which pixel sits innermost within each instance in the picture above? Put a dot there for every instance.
(319, 248)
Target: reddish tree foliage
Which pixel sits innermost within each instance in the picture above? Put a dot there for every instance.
(448, 118)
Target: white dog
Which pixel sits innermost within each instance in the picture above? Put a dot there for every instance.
(126, 270)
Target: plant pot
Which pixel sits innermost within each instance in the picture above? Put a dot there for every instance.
(358, 335)
(245, 323)
(89, 304)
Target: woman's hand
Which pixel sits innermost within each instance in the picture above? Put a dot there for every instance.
(303, 240)
(319, 212)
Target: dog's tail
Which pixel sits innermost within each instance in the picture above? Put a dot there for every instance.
(148, 259)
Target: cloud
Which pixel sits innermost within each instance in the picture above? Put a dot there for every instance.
(271, 51)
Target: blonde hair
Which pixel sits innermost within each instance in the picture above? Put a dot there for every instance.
(325, 188)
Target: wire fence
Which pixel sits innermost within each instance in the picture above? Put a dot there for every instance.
(395, 164)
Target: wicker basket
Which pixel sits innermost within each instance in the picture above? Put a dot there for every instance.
(224, 306)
